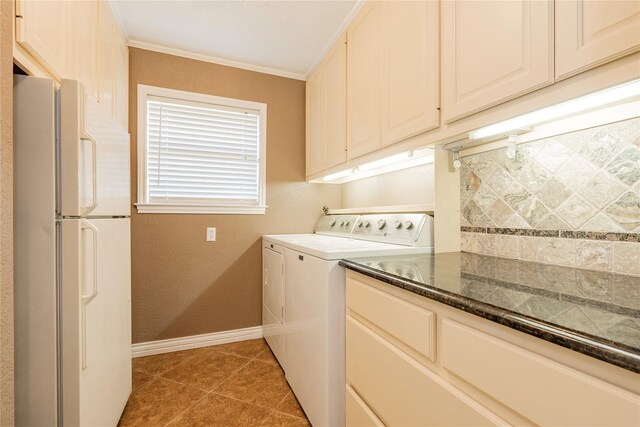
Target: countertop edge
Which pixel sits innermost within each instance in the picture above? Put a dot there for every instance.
(591, 346)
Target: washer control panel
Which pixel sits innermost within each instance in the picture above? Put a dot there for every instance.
(336, 224)
(408, 229)
(411, 229)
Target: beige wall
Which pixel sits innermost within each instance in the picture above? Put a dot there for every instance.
(6, 214)
(413, 186)
(183, 285)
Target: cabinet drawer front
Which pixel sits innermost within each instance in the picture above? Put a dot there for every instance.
(548, 394)
(358, 413)
(400, 390)
(410, 324)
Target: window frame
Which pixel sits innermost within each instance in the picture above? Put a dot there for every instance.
(144, 206)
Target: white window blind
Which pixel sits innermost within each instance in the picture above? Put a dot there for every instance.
(202, 154)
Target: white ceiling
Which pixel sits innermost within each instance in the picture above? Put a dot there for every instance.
(279, 37)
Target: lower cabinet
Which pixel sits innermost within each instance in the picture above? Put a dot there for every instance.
(402, 391)
(411, 361)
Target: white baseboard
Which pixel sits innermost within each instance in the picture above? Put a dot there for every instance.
(194, 341)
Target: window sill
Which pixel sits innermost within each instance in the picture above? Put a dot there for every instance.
(161, 208)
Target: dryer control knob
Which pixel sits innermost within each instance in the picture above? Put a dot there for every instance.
(346, 223)
(408, 224)
(359, 224)
(381, 223)
(332, 223)
(397, 224)
(365, 223)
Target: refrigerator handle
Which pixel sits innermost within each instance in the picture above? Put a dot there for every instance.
(86, 299)
(94, 194)
(86, 225)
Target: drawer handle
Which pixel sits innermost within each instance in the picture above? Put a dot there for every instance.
(300, 257)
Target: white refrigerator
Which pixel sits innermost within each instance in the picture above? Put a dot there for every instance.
(72, 257)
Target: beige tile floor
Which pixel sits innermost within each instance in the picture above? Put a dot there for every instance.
(237, 384)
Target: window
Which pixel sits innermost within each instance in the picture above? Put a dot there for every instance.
(200, 153)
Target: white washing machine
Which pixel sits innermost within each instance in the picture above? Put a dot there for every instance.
(304, 299)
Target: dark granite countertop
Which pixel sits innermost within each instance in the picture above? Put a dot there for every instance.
(592, 312)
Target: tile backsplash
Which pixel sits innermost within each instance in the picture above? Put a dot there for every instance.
(571, 199)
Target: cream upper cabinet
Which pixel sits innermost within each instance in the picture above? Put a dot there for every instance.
(335, 65)
(593, 33)
(363, 82)
(122, 82)
(77, 40)
(107, 58)
(409, 72)
(42, 29)
(84, 44)
(493, 51)
(315, 112)
(326, 111)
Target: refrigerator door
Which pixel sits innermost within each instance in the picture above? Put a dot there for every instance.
(96, 320)
(36, 378)
(94, 158)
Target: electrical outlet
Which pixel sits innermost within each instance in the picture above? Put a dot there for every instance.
(211, 234)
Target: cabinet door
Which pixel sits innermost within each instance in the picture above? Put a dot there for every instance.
(335, 105)
(493, 51)
(107, 54)
(363, 82)
(591, 33)
(327, 111)
(315, 121)
(42, 30)
(84, 44)
(122, 83)
(410, 40)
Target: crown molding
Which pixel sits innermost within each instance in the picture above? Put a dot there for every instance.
(215, 60)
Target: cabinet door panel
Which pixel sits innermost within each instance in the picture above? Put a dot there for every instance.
(335, 105)
(42, 30)
(594, 32)
(493, 51)
(410, 63)
(107, 51)
(122, 83)
(85, 45)
(363, 82)
(315, 121)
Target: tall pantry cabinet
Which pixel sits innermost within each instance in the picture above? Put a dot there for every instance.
(77, 40)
